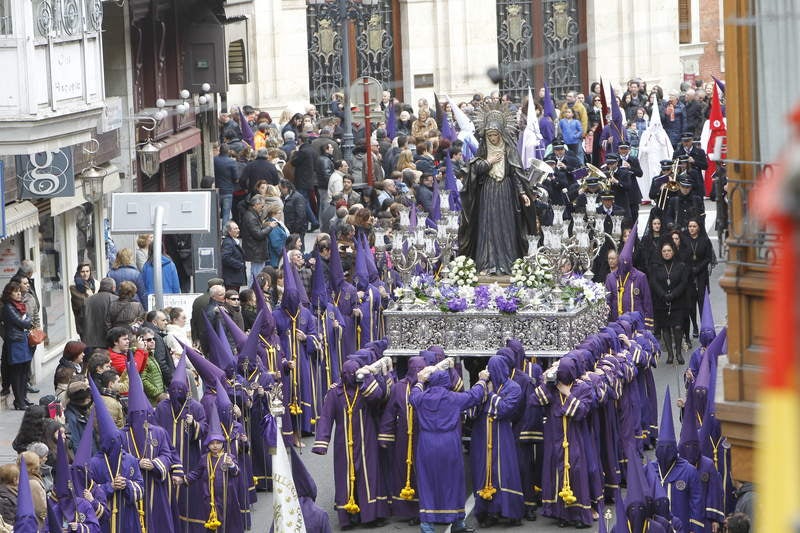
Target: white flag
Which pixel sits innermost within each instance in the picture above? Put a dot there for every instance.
(530, 148)
(287, 514)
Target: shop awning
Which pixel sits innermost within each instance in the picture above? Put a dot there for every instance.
(20, 216)
(179, 143)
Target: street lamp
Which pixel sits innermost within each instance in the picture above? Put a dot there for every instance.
(93, 176)
(147, 153)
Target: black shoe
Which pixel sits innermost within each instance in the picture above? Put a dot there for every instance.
(680, 360)
(669, 360)
(530, 516)
(32, 389)
(563, 523)
(580, 525)
(487, 521)
(466, 529)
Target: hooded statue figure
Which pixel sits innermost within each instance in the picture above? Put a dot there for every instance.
(498, 211)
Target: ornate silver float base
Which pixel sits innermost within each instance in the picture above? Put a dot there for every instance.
(482, 333)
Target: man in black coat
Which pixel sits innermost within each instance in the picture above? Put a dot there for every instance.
(697, 156)
(631, 163)
(260, 168)
(621, 181)
(233, 265)
(685, 206)
(564, 160)
(254, 234)
(294, 209)
(305, 163)
(199, 305)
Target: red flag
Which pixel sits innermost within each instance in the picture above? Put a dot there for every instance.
(718, 129)
(779, 400)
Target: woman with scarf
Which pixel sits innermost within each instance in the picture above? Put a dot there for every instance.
(16, 351)
(669, 283)
(352, 407)
(85, 286)
(493, 454)
(439, 459)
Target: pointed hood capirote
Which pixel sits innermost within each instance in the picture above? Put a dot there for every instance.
(110, 438)
(626, 255)
(335, 270)
(667, 446)
(179, 386)
(707, 329)
(208, 371)
(320, 293)
(63, 478)
(239, 337)
(689, 445)
(25, 521)
(360, 272)
(214, 426)
(291, 294)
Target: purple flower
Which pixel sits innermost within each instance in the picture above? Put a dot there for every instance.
(457, 305)
(482, 298)
(506, 305)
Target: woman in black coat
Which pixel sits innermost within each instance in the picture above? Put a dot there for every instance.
(648, 252)
(669, 284)
(15, 342)
(701, 255)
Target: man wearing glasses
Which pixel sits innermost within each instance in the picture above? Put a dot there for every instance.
(154, 326)
(233, 307)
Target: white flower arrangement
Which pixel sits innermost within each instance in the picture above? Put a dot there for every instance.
(463, 272)
(525, 273)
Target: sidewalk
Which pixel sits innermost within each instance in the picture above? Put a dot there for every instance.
(10, 418)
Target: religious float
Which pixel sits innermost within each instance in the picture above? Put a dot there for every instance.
(442, 302)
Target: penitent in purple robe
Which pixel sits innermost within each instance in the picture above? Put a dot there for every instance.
(566, 423)
(85, 515)
(224, 490)
(330, 353)
(493, 450)
(440, 462)
(122, 506)
(186, 439)
(629, 293)
(160, 508)
(346, 299)
(682, 485)
(303, 383)
(393, 434)
(362, 457)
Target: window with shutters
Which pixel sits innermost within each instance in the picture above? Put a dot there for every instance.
(684, 21)
(237, 63)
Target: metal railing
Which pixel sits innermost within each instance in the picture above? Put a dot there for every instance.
(750, 242)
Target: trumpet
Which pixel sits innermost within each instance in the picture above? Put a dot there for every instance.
(672, 186)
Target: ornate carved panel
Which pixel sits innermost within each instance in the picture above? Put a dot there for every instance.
(536, 41)
(514, 47)
(372, 46)
(66, 18)
(561, 34)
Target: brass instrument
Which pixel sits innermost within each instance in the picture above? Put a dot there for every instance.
(538, 173)
(597, 173)
(672, 186)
